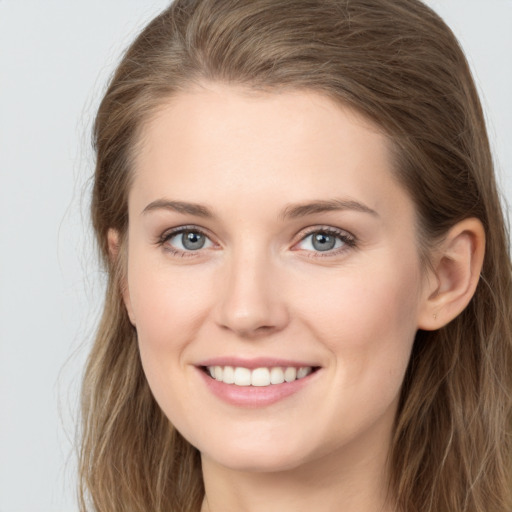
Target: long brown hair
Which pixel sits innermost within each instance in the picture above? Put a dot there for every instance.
(396, 62)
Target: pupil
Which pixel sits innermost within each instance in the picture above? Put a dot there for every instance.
(323, 242)
(192, 240)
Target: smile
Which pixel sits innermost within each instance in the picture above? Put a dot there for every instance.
(257, 377)
(256, 382)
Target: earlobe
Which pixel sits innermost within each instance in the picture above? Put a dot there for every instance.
(455, 275)
(114, 244)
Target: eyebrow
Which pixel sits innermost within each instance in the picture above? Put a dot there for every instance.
(321, 206)
(292, 211)
(195, 209)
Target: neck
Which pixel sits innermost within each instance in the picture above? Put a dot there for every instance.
(344, 479)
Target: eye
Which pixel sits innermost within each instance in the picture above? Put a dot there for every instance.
(326, 240)
(186, 240)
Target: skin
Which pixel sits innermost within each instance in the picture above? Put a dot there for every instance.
(259, 288)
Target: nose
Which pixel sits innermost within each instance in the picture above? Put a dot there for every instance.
(252, 302)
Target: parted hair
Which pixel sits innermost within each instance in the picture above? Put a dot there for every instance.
(397, 63)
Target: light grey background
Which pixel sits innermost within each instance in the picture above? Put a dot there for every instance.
(55, 58)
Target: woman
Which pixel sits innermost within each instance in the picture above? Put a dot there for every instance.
(309, 297)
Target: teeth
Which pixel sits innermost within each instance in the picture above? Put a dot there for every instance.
(303, 372)
(259, 377)
(276, 376)
(290, 374)
(242, 377)
(228, 375)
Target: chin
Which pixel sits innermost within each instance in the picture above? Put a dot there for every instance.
(250, 462)
(260, 457)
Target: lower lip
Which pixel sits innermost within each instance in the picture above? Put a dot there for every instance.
(255, 396)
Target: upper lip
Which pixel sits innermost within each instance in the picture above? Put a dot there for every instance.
(258, 362)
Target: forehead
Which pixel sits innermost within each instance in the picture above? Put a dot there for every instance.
(224, 142)
(215, 111)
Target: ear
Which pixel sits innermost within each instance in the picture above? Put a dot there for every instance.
(114, 248)
(457, 263)
(113, 244)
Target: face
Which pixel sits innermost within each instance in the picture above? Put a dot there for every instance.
(273, 276)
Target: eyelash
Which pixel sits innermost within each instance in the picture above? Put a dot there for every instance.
(349, 241)
(167, 235)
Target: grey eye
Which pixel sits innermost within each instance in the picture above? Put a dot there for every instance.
(188, 240)
(192, 240)
(323, 241)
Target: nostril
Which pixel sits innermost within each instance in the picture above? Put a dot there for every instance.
(265, 328)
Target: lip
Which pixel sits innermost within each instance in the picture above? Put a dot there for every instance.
(252, 364)
(252, 396)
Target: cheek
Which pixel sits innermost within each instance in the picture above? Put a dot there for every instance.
(368, 322)
(368, 325)
(169, 309)
(168, 305)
